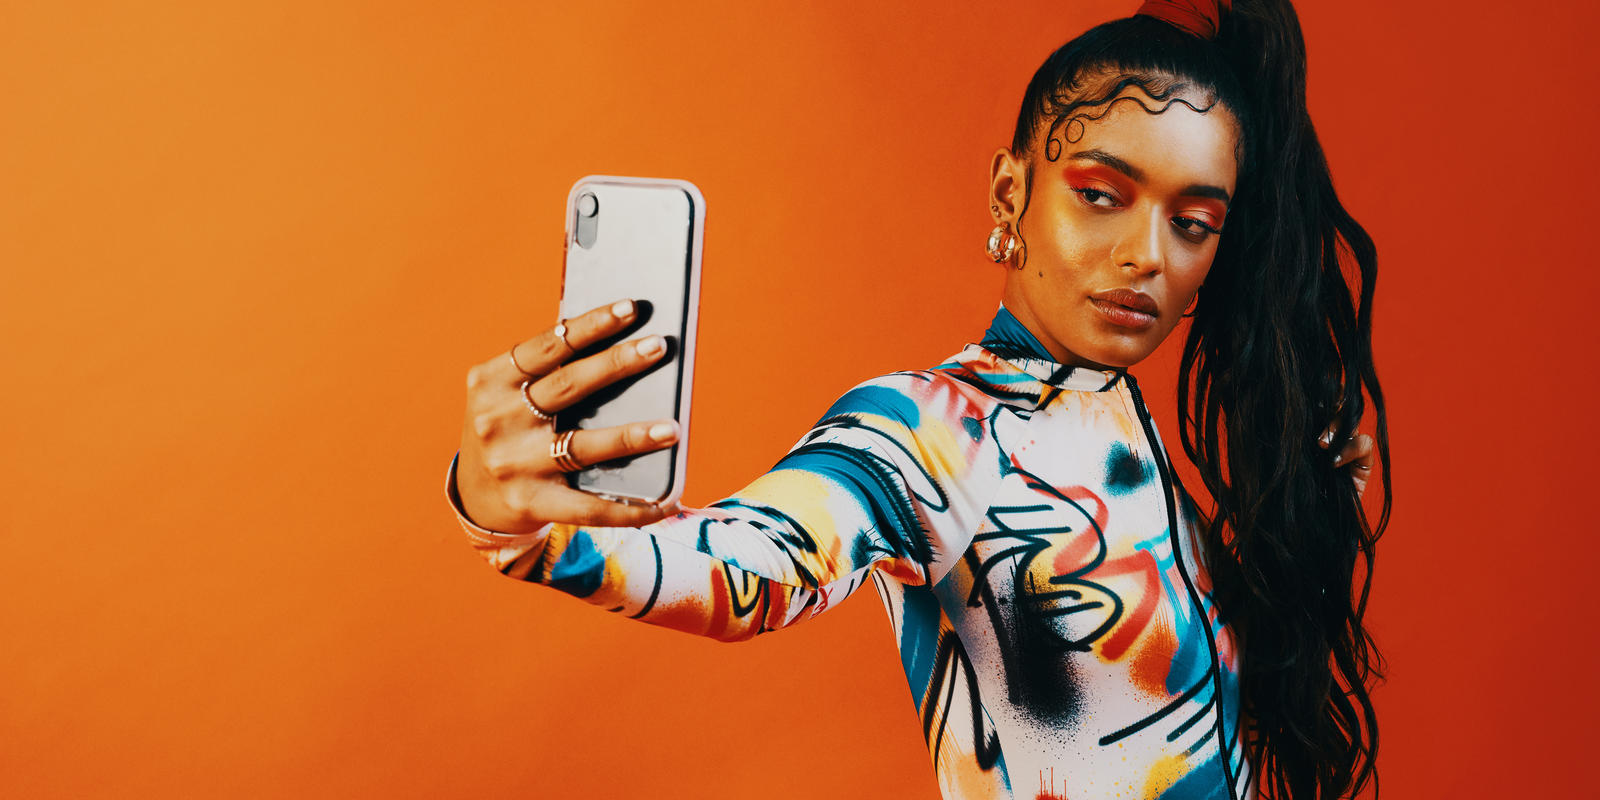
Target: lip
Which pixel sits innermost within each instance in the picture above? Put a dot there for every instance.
(1126, 307)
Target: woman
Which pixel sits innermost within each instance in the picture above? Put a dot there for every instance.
(1061, 607)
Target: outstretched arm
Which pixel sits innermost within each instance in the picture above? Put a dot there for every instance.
(874, 485)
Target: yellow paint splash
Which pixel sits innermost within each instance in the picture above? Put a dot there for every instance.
(942, 451)
(1163, 774)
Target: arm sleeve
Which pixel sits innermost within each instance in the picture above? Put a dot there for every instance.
(876, 484)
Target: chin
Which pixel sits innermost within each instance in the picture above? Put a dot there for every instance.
(1117, 356)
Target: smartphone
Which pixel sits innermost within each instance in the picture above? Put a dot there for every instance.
(638, 239)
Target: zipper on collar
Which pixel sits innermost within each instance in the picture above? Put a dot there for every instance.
(1224, 743)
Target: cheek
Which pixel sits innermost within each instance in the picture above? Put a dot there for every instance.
(1071, 254)
(1071, 235)
(1182, 283)
(1188, 276)
(1089, 243)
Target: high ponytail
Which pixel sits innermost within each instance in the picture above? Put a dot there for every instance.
(1279, 348)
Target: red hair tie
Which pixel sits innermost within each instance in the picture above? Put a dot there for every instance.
(1199, 17)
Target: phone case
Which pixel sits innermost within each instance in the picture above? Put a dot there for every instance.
(638, 238)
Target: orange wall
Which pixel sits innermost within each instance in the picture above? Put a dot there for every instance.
(249, 253)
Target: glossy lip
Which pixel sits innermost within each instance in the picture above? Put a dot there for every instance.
(1126, 307)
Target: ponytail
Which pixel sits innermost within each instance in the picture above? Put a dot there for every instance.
(1280, 348)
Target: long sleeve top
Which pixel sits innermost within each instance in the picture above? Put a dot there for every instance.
(1036, 557)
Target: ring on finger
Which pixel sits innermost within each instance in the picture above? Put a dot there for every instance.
(512, 354)
(561, 452)
(560, 331)
(527, 397)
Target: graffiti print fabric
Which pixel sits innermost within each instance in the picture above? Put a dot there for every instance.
(1036, 559)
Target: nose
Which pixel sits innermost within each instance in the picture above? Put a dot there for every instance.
(1142, 248)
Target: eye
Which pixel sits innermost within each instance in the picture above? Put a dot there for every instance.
(1194, 228)
(1093, 196)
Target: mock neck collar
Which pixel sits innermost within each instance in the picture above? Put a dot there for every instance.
(1009, 339)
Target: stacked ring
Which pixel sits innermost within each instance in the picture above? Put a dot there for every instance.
(539, 413)
(561, 452)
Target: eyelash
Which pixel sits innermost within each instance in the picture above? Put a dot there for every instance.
(1085, 192)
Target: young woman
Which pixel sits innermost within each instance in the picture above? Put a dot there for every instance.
(1061, 606)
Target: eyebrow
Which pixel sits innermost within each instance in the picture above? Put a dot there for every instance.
(1192, 190)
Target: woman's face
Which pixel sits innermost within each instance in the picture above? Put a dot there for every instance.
(1120, 229)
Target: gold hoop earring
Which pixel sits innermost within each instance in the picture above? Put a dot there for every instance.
(1002, 244)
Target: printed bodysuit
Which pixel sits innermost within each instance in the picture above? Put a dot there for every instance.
(1037, 560)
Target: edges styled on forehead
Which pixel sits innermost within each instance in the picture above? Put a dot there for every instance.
(1064, 116)
(1138, 59)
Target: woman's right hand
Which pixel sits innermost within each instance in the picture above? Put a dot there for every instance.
(506, 475)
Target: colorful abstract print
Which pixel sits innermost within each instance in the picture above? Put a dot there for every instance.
(1020, 523)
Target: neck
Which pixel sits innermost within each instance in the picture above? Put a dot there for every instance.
(1013, 300)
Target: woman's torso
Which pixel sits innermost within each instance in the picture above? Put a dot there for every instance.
(1067, 652)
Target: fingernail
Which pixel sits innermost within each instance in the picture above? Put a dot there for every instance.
(663, 431)
(622, 309)
(1338, 459)
(651, 346)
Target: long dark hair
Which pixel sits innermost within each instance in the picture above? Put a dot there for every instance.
(1279, 348)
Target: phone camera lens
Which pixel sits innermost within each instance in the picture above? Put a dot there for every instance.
(588, 205)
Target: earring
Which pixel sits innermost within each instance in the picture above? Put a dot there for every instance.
(1002, 245)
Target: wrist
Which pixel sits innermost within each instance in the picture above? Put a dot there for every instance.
(483, 527)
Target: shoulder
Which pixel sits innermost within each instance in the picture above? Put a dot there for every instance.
(894, 396)
(911, 398)
(954, 402)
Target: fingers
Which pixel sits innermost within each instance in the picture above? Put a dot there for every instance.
(1357, 453)
(1326, 439)
(572, 382)
(605, 444)
(531, 452)
(581, 508)
(529, 488)
(543, 353)
(1357, 457)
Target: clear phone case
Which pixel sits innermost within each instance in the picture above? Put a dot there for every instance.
(639, 239)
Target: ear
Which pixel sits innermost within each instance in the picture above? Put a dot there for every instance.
(1008, 186)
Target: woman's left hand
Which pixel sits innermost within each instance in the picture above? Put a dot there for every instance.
(1356, 458)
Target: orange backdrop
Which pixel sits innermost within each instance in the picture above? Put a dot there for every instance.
(249, 251)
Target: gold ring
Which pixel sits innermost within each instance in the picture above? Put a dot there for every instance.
(561, 452)
(512, 354)
(527, 397)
